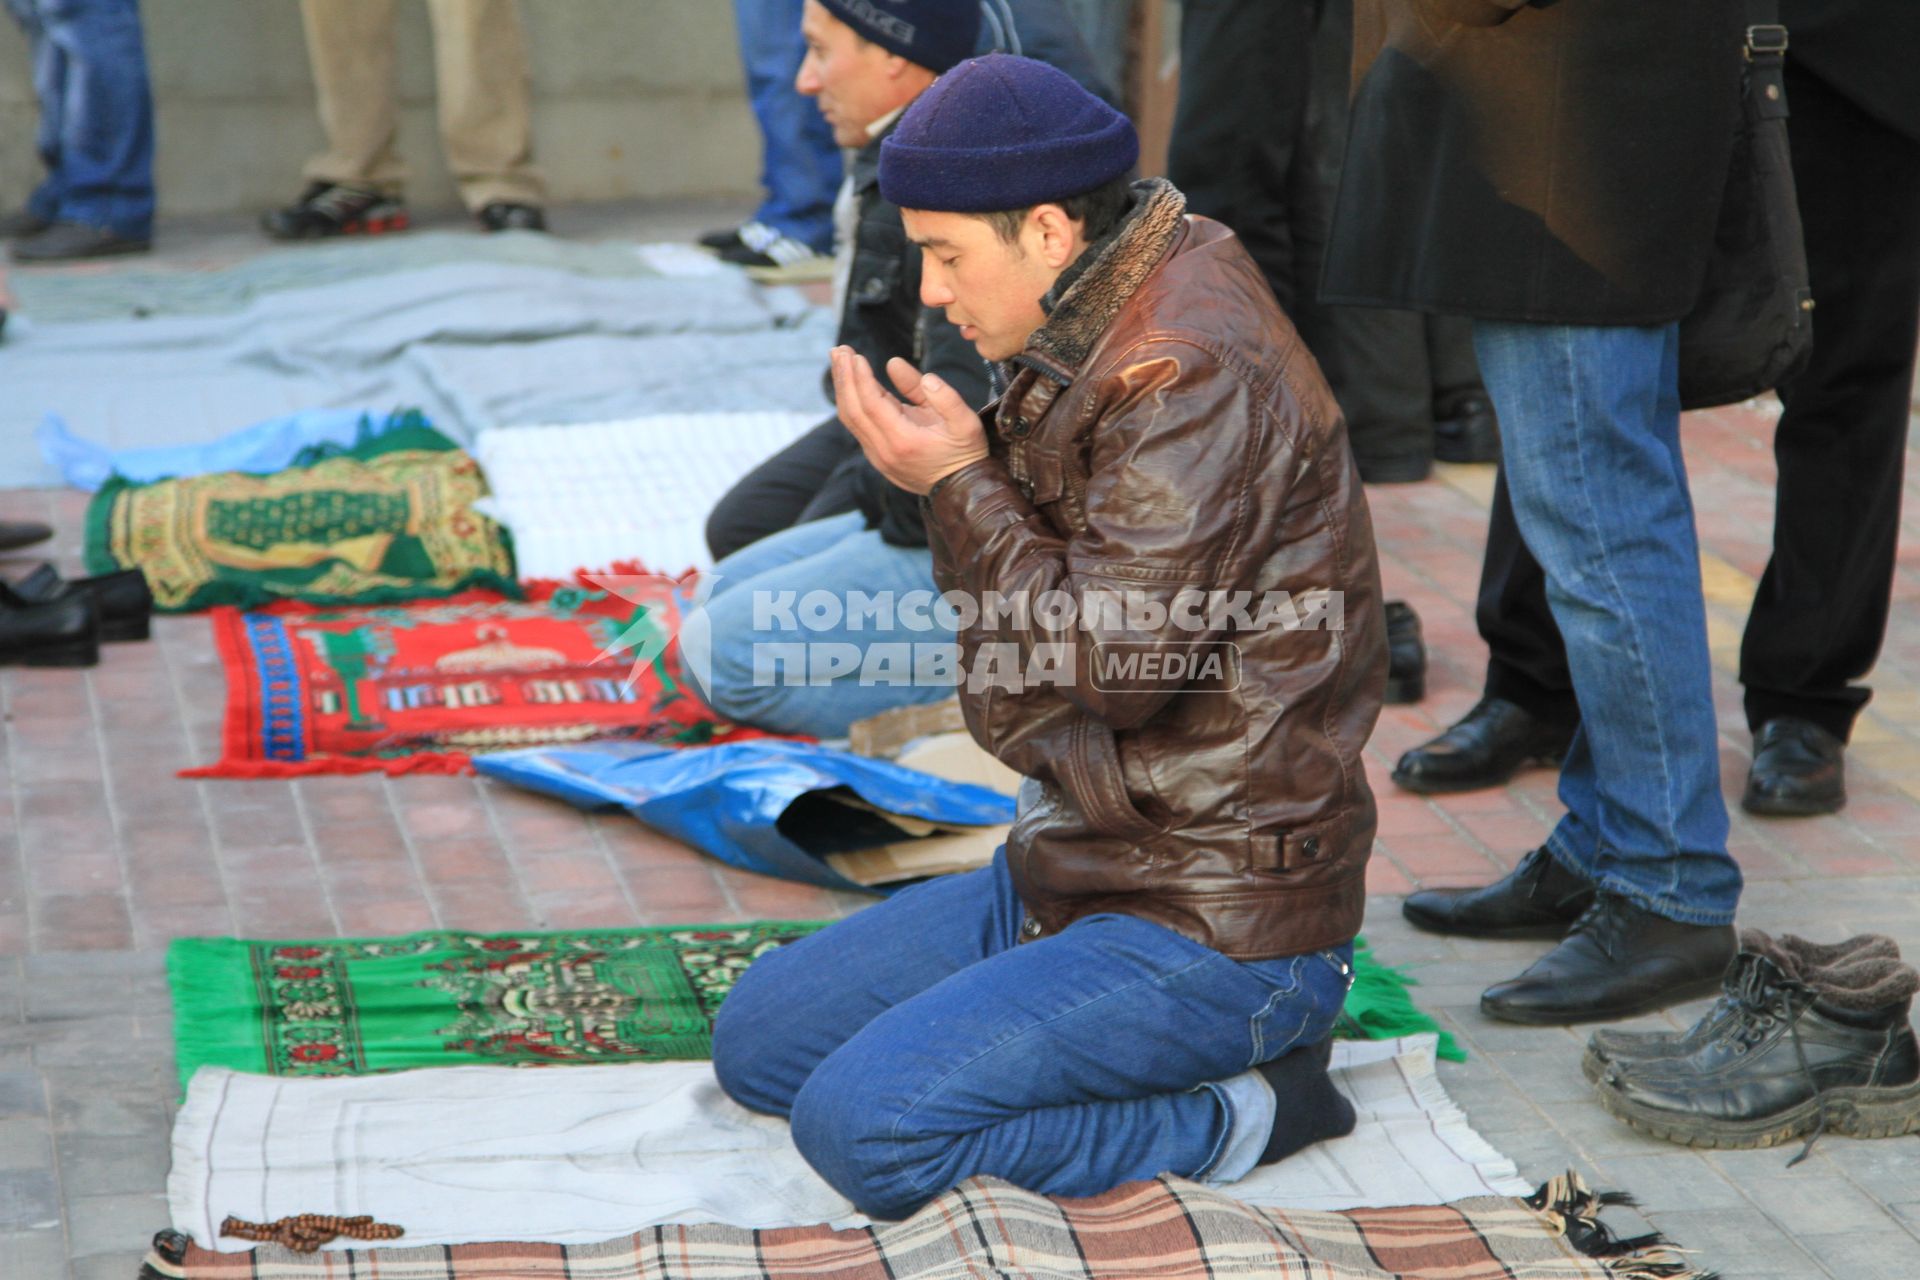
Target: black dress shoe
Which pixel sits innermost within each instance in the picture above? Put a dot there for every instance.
(503, 215)
(65, 633)
(1484, 748)
(1537, 899)
(123, 600)
(22, 223)
(15, 534)
(1789, 1060)
(70, 241)
(1799, 770)
(1471, 434)
(1618, 961)
(1406, 654)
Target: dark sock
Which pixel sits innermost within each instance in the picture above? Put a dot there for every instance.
(1306, 1106)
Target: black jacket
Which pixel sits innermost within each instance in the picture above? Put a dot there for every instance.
(1563, 163)
(1863, 49)
(883, 316)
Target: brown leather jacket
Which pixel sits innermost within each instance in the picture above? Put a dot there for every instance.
(1166, 432)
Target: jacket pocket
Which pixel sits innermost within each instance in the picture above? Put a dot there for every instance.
(1090, 772)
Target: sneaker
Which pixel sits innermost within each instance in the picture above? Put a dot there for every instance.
(773, 258)
(21, 224)
(503, 215)
(720, 239)
(330, 209)
(69, 241)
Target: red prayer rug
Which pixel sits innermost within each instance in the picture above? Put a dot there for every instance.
(422, 687)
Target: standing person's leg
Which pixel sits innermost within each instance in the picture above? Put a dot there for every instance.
(1821, 611)
(486, 103)
(1464, 426)
(1527, 710)
(350, 51)
(50, 88)
(1115, 1050)
(97, 123)
(800, 167)
(819, 627)
(1246, 72)
(1599, 490)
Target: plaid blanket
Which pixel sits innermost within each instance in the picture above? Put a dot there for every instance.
(1168, 1229)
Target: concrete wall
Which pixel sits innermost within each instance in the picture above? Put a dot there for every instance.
(631, 98)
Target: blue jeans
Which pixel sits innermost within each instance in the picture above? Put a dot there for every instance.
(800, 165)
(96, 113)
(1590, 426)
(916, 1044)
(781, 661)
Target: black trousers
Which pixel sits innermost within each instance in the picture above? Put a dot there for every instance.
(1239, 145)
(787, 489)
(1258, 143)
(1820, 614)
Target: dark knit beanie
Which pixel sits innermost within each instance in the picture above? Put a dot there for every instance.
(1002, 132)
(934, 34)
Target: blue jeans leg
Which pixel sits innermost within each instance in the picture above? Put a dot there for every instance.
(801, 167)
(1590, 421)
(917, 1044)
(96, 112)
(818, 626)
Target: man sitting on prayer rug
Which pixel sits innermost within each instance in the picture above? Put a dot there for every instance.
(1185, 655)
(864, 65)
(816, 521)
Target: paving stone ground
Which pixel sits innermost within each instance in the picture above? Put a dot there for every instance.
(105, 856)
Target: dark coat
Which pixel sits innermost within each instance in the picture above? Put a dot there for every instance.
(1165, 436)
(1555, 164)
(1865, 50)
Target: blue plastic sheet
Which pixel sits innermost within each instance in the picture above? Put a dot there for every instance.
(752, 804)
(260, 449)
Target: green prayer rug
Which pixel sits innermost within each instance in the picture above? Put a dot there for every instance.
(333, 1007)
(390, 518)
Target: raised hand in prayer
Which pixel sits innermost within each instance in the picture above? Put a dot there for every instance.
(914, 444)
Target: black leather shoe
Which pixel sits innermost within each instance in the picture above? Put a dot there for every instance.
(1537, 899)
(65, 633)
(69, 241)
(504, 216)
(1833, 964)
(1484, 748)
(1618, 961)
(1406, 654)
(1472, 434)
(22, 223)
(1786, 1062)
(123, 600)
(1799, 770)
(15, 534)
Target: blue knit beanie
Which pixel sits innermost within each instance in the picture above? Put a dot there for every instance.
(1002, 132)
(934, 34)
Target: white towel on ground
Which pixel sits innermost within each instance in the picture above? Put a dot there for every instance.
(587, 496)
(578, 1154)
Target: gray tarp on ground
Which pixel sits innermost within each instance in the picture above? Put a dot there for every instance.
(475, 344)
(128, 294)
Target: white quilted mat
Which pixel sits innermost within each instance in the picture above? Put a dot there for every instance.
(586, 496)
(577, 1154)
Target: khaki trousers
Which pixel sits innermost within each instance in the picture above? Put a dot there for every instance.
(480, 70)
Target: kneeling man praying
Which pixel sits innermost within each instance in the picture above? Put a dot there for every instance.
(1177, 639)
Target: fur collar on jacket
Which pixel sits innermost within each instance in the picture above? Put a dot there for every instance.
(1088, 294)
